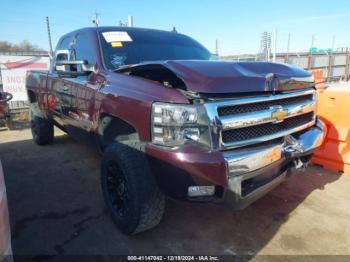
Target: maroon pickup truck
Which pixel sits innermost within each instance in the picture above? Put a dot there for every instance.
(169, 120)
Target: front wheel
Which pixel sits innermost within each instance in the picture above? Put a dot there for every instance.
(129, 189)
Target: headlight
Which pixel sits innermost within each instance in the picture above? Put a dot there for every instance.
(175, 124)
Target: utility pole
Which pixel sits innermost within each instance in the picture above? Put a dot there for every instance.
(313, 39)
(217, 47)
(265, 46)
(49, 36)
(130, 21)
(286, 58)
(333, 43)
(288, 43)
(274, 45)
(95, 19)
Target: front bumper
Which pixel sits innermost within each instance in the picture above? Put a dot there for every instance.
(255, 172)
(244, 175)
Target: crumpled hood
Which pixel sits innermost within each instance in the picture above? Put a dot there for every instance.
(238, 77)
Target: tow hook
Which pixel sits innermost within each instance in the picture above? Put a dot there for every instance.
(291, 146)
(300, 165)
(291, 149)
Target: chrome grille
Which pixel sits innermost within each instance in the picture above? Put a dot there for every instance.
(252, 132)
(248, 108)
(250, 120)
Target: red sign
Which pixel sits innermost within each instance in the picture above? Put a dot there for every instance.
(28, 65)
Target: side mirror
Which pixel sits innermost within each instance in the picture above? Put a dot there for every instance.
(73, 68)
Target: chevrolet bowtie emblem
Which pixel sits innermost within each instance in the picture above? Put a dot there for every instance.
(279, 114)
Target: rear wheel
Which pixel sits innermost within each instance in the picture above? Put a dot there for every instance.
(9, 122)
(42, 130)
(130, 191)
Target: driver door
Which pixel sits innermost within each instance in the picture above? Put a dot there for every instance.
(79, 104)
(58, 98)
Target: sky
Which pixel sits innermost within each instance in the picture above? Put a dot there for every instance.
(237, 25)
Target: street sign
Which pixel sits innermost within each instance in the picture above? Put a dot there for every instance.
(313, 50)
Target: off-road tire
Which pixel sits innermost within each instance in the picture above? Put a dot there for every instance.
(145, 203)
(9, 122)
(42, 130)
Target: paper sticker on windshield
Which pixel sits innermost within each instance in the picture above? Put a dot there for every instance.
(116, 36)
(117, 44)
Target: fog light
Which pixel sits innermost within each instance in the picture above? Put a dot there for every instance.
(197, 191)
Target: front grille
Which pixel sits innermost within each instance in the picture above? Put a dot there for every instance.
(265, 105)
(253, 119)
(256, 132)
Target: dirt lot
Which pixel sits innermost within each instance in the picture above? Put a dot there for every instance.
(56, 207)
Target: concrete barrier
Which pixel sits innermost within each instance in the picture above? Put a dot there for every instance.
(334, 110)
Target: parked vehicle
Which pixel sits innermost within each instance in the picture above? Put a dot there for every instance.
(5, 117)
(170, 121)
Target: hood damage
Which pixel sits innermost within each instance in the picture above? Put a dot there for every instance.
(219, 79)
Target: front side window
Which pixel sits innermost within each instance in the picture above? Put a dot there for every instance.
(83, 49)
(140, 46)
(62, 48)
(64, 43)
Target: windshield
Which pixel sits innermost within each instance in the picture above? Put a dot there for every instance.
(124, 48)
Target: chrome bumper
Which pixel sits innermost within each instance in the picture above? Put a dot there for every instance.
(248, 164)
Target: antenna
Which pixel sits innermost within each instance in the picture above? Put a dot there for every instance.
(49, 36)
(96, 20)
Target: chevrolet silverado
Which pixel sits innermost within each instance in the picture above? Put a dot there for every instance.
(169, 119)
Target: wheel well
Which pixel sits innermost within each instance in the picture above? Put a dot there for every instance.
(113, 129)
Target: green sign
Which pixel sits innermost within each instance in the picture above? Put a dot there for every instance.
(313, 50)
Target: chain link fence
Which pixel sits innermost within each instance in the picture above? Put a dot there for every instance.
(334, 65)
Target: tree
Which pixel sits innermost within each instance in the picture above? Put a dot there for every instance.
(5, 46)
(25, 45)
